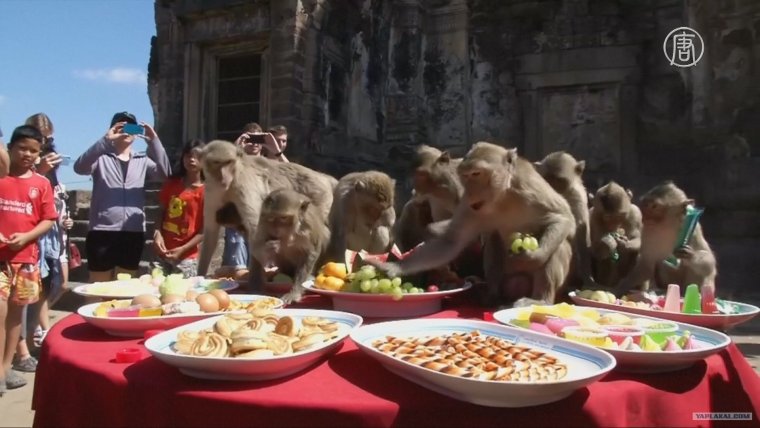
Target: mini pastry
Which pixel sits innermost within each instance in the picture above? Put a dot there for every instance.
(210, 345)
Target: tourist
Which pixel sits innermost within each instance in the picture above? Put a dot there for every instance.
(27, 211)
(54, 266)
(181, 228)
(247, 141)
(276, 142)
(116, 237)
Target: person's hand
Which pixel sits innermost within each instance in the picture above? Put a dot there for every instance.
(272, 145)
(174, 255)
(241, 140)
(3, 239)
(116, 133)
(158, 244)
(67, 223)
(48, 162)
(150, 133)
(17, 241)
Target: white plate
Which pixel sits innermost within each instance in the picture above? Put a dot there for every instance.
(383, 305)
(129, 288)
(137, 326)
(585, 364)
(242, 369)
(651, 362)
(713, 321)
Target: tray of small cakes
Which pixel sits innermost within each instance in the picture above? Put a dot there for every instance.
(640, 344)
(262, 344)
(483, 363)
(132, 318)
(697, 307)
(360, 288)
(126, 287)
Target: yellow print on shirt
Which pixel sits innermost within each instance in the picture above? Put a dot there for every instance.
(175, 210)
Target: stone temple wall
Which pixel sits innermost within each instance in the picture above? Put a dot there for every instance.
(359, 83)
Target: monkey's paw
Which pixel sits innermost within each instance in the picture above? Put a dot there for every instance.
(527, 301)
(295, 295)
(390, 269)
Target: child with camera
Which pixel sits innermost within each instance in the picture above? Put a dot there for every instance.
(117, 210)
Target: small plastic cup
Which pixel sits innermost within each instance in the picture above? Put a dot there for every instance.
(587, 335)
(660, 331)
(618, 333)
(128, 355)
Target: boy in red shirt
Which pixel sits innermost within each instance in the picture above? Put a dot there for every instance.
(27, 211)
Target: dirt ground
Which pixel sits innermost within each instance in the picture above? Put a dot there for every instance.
(15, 406)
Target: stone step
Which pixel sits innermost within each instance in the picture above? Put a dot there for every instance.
(81, 227)
(152, 212)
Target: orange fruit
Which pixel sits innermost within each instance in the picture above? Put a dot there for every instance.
(333, 283)
(338, 270)
(319, 281)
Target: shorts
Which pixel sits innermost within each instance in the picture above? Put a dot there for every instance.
(107, 250)
(187, 267)
(235, 250)
(20, 282)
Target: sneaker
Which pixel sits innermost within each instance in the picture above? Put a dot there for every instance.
(28, 365)
(38, 338)
(13, 379)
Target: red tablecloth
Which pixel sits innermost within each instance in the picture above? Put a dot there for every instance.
(78, 383)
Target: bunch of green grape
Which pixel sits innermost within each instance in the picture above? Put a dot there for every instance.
(368, 280)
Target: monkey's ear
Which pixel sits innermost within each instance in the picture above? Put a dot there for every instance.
(510, 156)
(580, 167)
(305, 205)
(444, 158)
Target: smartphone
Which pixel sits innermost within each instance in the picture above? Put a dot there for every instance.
(256, 138)
(65, 160)
(132, 129)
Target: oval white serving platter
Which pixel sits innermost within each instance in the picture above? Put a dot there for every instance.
(650, 362)
(585, 364)
(137, 326)
(242, 369)
(383, 305)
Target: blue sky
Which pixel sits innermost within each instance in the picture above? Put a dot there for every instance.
(78, 61)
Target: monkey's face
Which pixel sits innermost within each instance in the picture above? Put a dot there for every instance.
(478, 184)
(658, 212)
(220, 162)
(280, 226)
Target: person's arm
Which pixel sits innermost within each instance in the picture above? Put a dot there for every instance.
(159, 166)
(180, 251)
(5, 161)
(85, 164)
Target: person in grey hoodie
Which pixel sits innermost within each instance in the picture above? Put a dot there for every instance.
(117, 210)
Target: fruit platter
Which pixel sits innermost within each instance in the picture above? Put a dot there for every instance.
(697, 307)
(510, 368)
(368, 292)
(259, 345)
(127, 287)
(639, 343)
(132, 318)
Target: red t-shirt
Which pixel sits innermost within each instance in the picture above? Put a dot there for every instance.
(24, 203)
(183, 214)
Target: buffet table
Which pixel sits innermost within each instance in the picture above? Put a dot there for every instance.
(79, 383)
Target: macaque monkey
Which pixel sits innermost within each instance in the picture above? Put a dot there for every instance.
(292, 234)
(244, 181)
(663, 211)
(363, 214)
(503, 194)
(615, 234)
(228, 216)
(564, 173)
